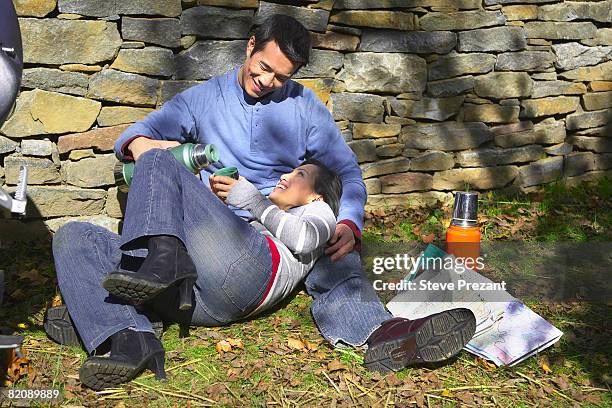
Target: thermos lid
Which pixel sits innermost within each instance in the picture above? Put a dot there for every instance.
(465, 209)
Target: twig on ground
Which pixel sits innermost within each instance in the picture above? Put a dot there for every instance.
(388, 398)
(559, 393)
(110, 391)
(197, 360)
(117, 393)
(350, 390)
(233, 393)
(332, 382)
(474, 387)
(362, 389)
(48, 351)
(438, 397)
(174, 394)
(589, 389)
(302, 392)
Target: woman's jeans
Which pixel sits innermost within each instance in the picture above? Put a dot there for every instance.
(232, 258)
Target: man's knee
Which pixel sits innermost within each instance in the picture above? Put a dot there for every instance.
(159, 156)
(69, 234)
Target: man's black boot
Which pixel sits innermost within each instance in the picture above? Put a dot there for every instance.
(400, 342)
(131, 353)
(167, 264)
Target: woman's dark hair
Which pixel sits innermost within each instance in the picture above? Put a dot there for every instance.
(328, 184)
(290, 35)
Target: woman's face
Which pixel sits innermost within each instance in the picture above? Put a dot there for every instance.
(296, 188)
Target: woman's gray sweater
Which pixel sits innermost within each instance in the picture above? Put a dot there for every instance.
(299, 234)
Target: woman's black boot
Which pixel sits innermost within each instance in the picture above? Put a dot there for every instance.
(59, 326)
(167, 264)
(131, 352)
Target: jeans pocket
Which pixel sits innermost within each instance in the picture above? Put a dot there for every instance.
(246, 282)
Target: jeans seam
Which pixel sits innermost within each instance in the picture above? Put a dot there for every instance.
(150, 195)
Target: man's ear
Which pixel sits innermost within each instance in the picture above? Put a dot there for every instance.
(250, 46)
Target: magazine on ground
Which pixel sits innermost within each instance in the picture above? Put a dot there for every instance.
(507, 331)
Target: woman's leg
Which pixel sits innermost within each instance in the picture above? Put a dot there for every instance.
(84, 253)
(232, 259)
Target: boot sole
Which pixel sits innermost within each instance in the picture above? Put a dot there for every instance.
(59, 327)
(438, 339)
(132, 289)
(100, 373)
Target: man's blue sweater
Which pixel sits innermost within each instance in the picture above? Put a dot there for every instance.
(263, 138)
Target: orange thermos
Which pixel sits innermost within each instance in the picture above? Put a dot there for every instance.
(463, 234)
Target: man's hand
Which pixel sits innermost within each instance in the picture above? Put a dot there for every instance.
(341, 243)
(142, 144)
(221, 185)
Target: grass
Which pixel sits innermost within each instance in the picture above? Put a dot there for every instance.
(285, 362)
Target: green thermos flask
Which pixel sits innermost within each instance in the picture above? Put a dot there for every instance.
(193, 156)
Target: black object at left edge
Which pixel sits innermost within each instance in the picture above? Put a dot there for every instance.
(11, 58)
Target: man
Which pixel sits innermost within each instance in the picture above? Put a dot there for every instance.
(280, 123)
(265, 124)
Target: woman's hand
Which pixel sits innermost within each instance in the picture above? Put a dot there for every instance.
(221, 185)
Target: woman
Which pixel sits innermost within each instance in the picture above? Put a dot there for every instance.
(239, 268)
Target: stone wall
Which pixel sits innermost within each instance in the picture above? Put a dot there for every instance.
(431, 95)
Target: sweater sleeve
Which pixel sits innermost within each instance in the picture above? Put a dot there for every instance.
(302, 233)
(175, 120)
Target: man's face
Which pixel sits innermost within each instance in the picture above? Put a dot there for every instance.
(266, 70)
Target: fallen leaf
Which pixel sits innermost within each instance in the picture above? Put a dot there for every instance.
(593, 399)
(466, 398)
(420, 400)
(295, 344)
(545, 365)
(233, 375)
(236, 343)
(18, 367)
(486, 364)
(57, 301)
(428, 238)
(223, 346)
(310, 346)
(392, 380)
(561, 382)
(335, 365)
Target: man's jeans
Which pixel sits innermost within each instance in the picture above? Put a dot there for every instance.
(233, 262)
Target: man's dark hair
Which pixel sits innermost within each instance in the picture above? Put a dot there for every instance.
(291, 36)
(327, 184)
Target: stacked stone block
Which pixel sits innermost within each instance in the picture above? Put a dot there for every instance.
(432, 96)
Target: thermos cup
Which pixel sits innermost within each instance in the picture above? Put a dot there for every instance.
(463, 234)
(194, 157)
(228, 172)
